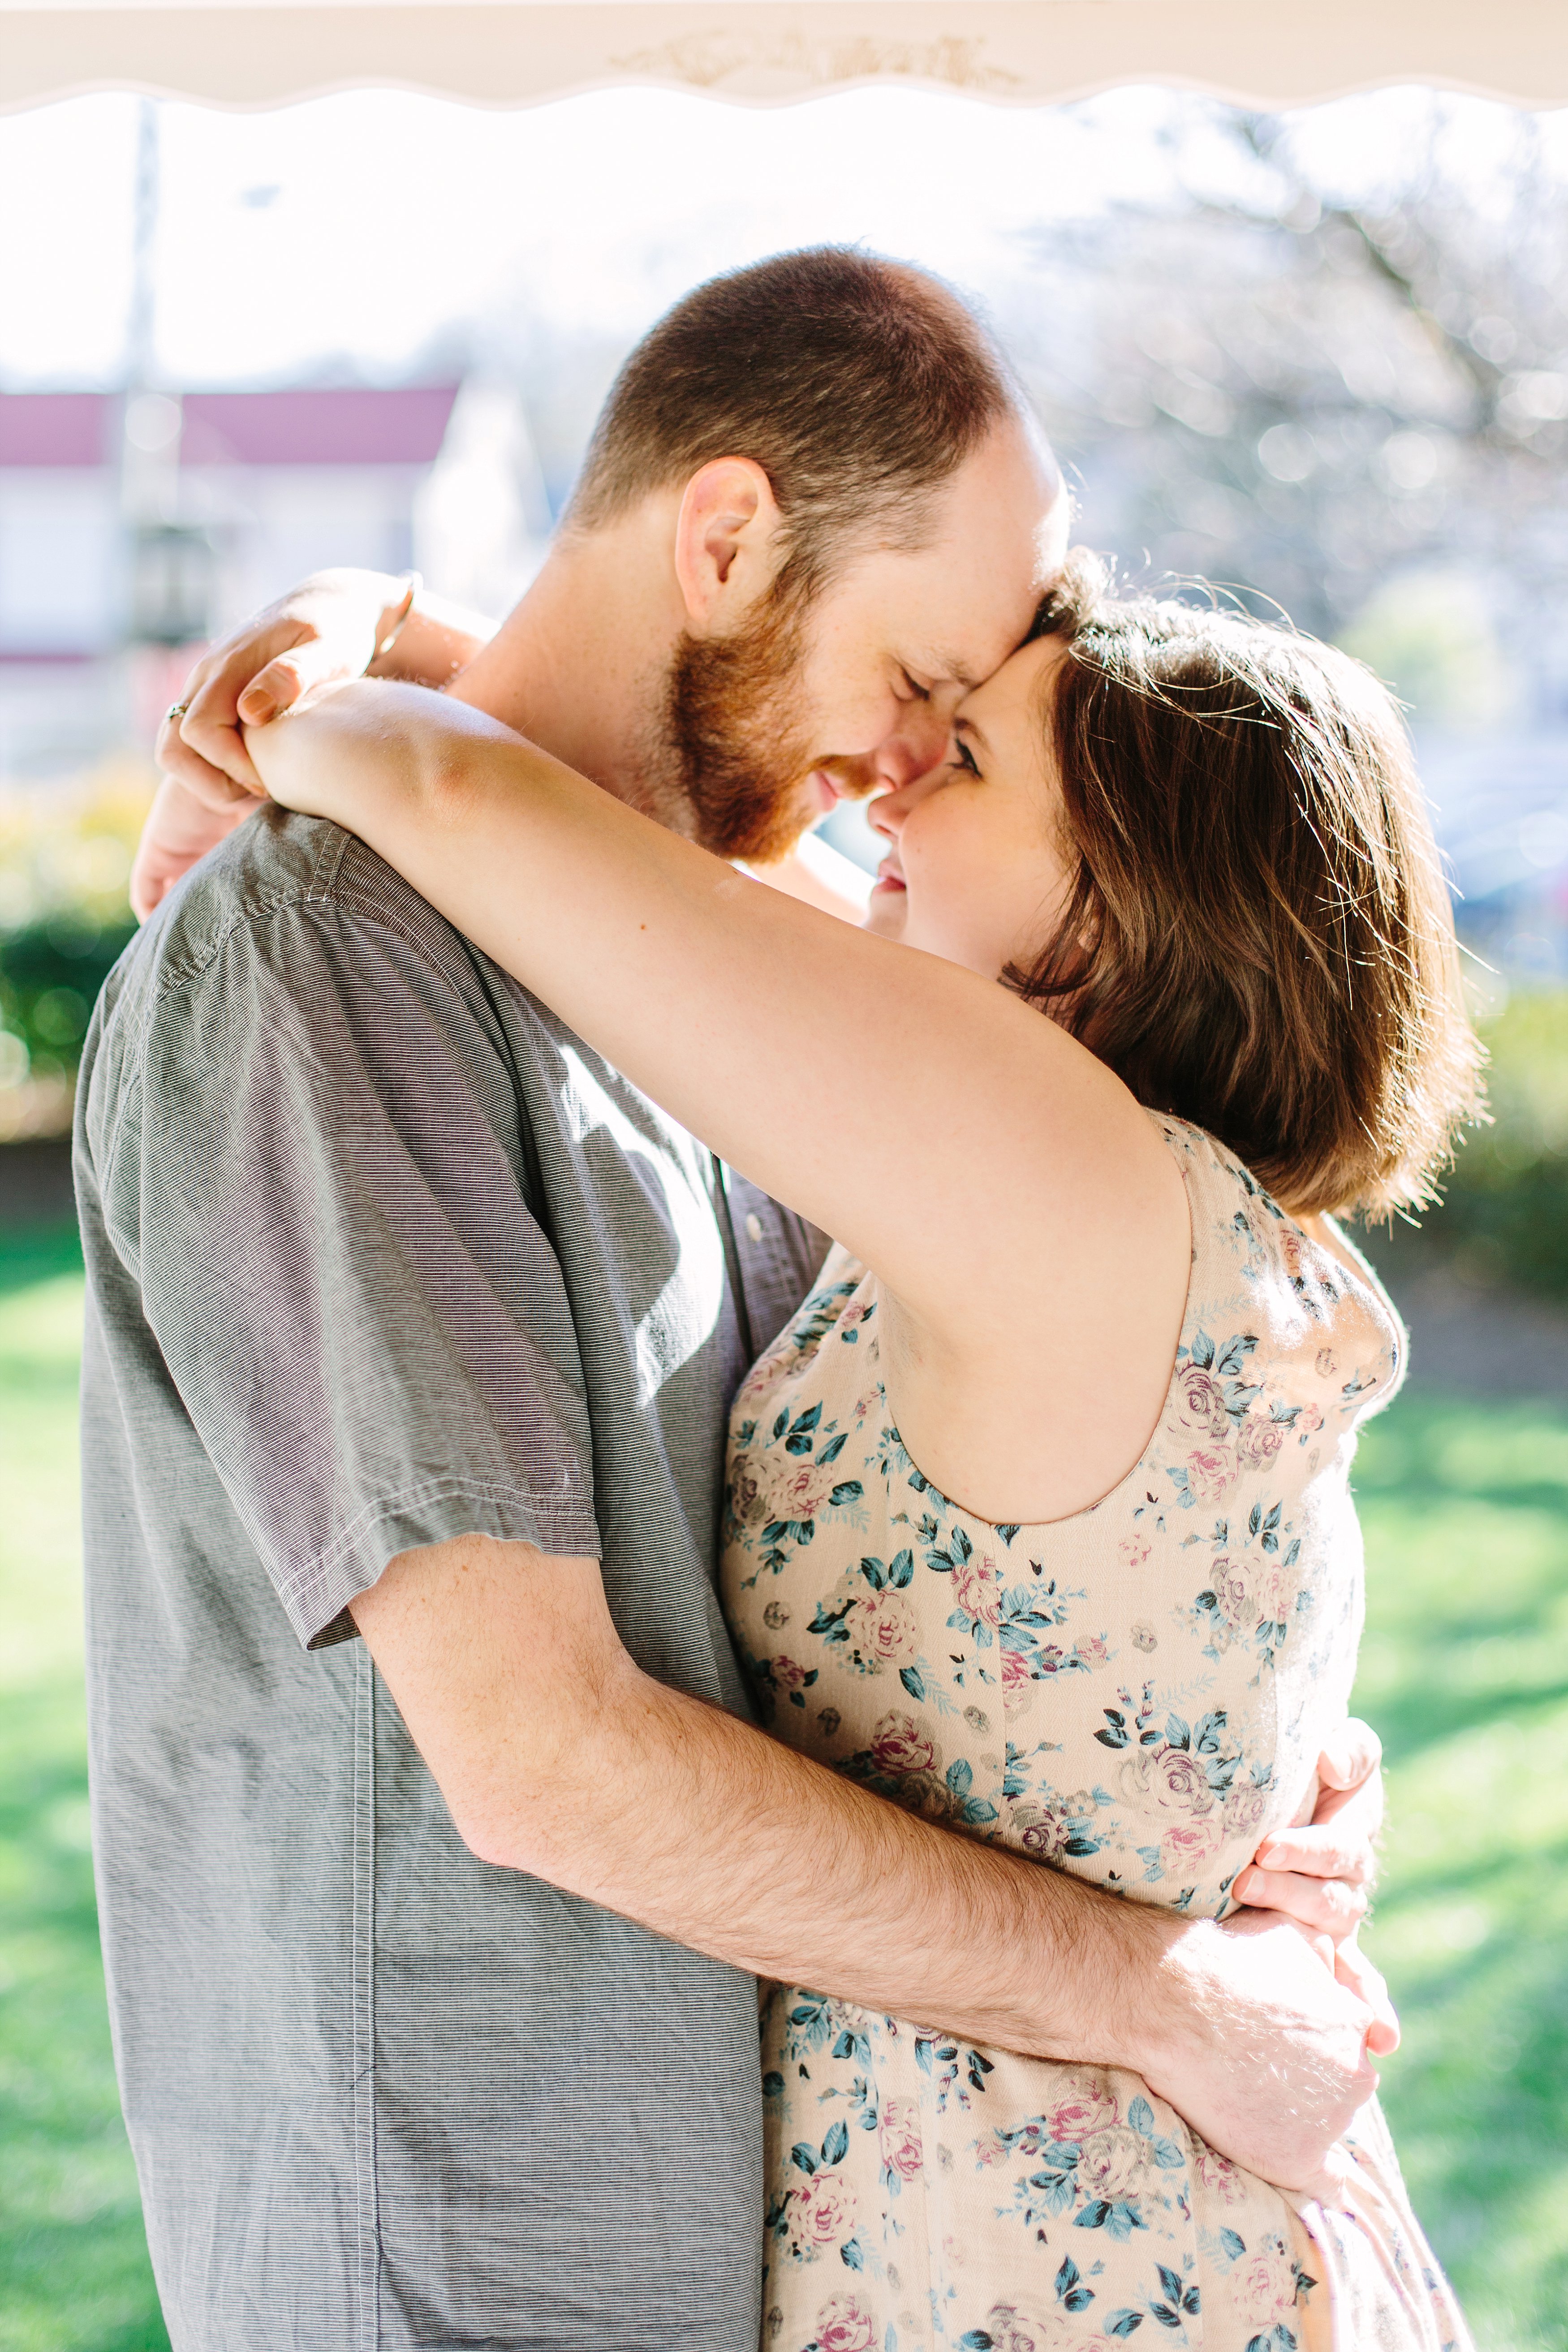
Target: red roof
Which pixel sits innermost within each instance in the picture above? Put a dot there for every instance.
(405, 426)
(54, 428)
(402, 424)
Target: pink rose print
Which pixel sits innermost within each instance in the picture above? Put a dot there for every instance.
(802, 1495)
(822, 2214)
(899, 2137)
(992, 2151)
(1042, 1834)
(1088, 2108)
(1265, 2285)
(1211, 1471)
(846, 2325)
(900, 1745)
(1198, 1404)
(1309, 1419)
(1243, 1811)
(1176, 1781)
(1248, 1594)
(1111, 2161)
(1092, 1650)
(977, 1590)
(1325, 1363)
(1290, 1250)
(1218, 2175)
(746, 1498)
(788, 1677)
(1258, 1440)
(882, 1628)
(1187, 1848)
(1011, 2328)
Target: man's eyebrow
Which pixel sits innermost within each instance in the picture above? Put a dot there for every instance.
(947, 667)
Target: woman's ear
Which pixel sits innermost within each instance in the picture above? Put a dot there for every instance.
(728, 539)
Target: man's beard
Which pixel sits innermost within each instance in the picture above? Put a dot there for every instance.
(734, 747)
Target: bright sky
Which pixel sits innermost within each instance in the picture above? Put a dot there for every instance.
(360, 229)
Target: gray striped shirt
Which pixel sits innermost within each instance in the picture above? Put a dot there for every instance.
(380, 1255)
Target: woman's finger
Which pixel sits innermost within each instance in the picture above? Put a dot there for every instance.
(1352, 1757)
(1335, 1849)
(1329, 1906)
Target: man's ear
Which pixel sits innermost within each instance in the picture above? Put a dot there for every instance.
(727, 539)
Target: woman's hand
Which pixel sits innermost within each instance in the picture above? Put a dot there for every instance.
(328, 628)
(179, 830)
(1320, 1875)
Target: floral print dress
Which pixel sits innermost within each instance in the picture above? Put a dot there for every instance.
(1135, 1694)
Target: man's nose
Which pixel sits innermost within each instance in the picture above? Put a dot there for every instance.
(915, 746)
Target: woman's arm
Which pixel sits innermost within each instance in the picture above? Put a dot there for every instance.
(1003, 1184)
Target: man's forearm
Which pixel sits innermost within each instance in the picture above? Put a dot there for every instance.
(723, 1839)
(613, 1787)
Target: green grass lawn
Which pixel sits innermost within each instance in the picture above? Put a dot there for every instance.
(1465, 1673)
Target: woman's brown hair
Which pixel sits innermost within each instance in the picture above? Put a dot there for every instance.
(1257, 936)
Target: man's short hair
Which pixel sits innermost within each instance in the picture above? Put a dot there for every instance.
(858, 384)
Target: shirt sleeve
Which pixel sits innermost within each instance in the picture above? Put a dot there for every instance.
(318, 1175)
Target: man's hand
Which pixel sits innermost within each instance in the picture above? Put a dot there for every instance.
(1261, 2051)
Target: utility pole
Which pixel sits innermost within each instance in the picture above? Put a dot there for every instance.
(169, 564)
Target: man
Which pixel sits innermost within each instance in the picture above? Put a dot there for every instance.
(410, 1321)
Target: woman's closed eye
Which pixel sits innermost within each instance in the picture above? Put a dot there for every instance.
(963, 757)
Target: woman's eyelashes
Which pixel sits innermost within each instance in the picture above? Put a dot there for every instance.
(963, 757)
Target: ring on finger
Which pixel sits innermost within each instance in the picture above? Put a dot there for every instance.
(176, 712)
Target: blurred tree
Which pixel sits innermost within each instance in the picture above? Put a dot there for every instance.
(1312, 398)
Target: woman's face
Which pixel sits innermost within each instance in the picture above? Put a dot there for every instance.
(974, 870)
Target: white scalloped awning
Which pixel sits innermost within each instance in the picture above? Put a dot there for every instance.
(1023, 52)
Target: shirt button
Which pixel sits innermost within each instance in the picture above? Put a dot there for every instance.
(753, 1226)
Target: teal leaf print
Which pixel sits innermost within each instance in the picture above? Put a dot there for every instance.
(851, 2255)
(1071, 2291)
(1235, 2246)
(1116, 2216)
(835, 2147)
(1178, 1733)
(1115, 1733)
(834, 1448)
(1006, 1532)
(960, 1777)
(976, 2340)
(1141, 2116)
(804, 2156)
(799, 1438)
(902, 1570)
(850, 1491)
(772, 2085)
(911, 1679)
(1123, 2323)
(1201, 1351)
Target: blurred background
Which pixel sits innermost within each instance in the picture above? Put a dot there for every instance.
(1319, 359)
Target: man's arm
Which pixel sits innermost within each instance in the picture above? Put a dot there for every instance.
(558, 1756)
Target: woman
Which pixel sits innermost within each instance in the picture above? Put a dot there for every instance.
(1039, 1517)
